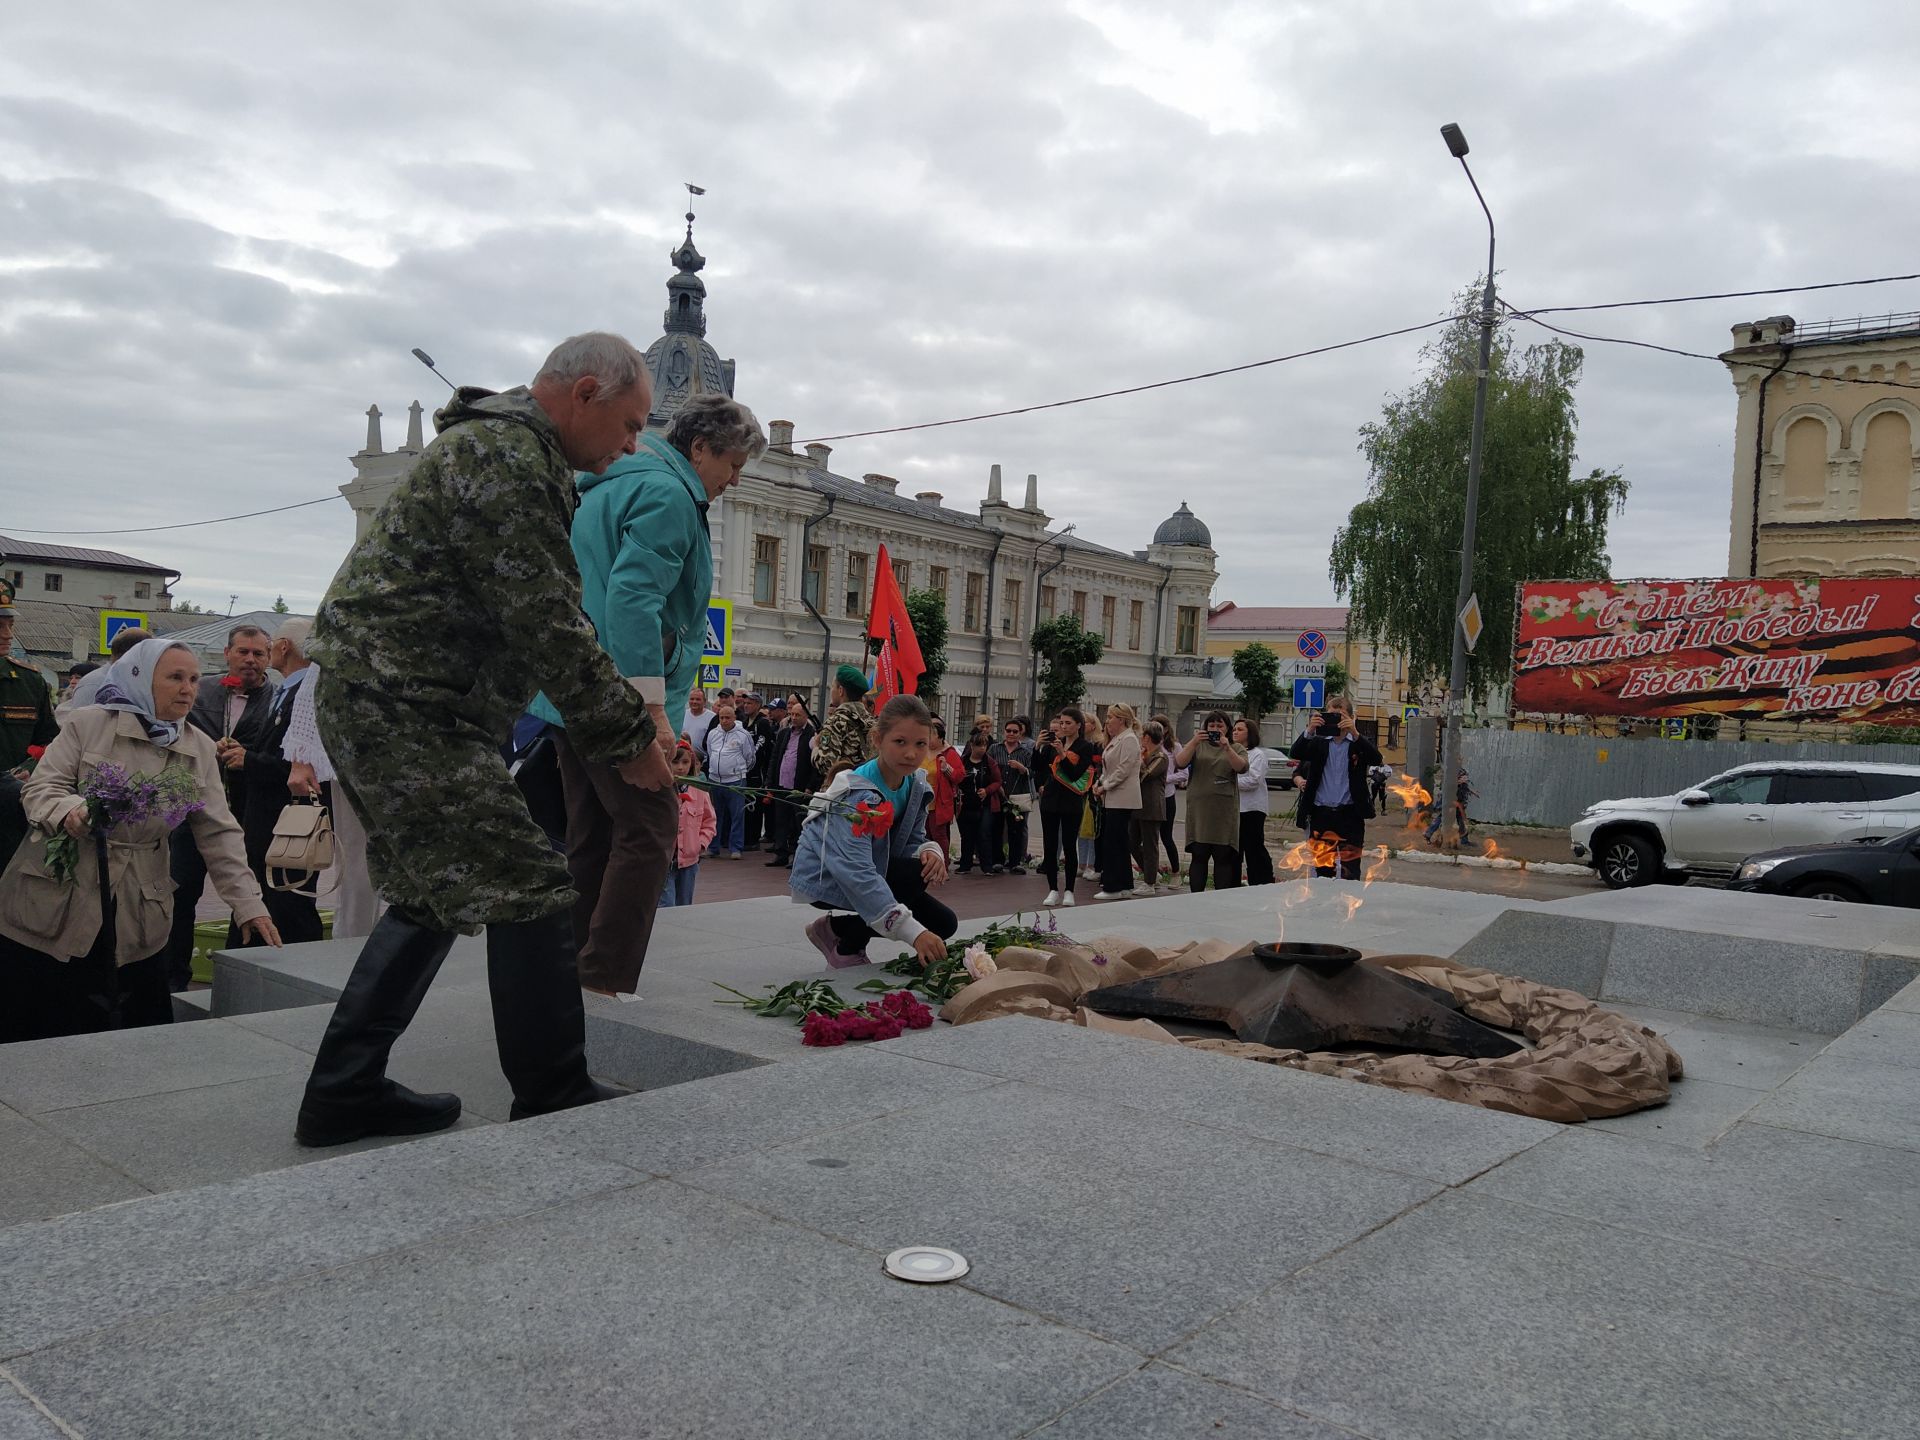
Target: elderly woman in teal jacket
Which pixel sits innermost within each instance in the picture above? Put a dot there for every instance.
(646, 572)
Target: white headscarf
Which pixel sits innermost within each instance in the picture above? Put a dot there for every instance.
(129, 687)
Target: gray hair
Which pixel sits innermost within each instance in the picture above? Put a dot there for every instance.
(598, 354)
(720, 420)
(295, 631)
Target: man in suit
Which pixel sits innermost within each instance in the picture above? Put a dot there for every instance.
(1334, 760)
(231, 706)
(268, 783)
(789, 767)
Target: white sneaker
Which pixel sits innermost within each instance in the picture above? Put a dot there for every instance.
(1113, 894)
(1067, 899)
(1053, 898)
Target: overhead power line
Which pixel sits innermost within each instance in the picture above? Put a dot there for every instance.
(1721, 295)
(182, 525)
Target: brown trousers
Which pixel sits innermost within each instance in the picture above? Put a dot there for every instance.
(620, 842)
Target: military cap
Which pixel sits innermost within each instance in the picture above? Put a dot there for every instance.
(851, 681)
(6, 598)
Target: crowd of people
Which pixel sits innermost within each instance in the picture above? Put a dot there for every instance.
(481, 702)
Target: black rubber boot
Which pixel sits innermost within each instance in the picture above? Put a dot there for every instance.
(539, 1015)
(348, 1094)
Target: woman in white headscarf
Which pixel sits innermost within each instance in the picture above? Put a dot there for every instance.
(77, 956)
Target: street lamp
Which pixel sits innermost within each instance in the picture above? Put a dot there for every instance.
(427, 360)
(1450, 750)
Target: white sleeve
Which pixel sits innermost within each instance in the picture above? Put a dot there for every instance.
(1254, 777)
(303, 729)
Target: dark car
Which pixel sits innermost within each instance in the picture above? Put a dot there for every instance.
(1874, 872)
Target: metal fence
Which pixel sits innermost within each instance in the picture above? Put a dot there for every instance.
(1531, 777)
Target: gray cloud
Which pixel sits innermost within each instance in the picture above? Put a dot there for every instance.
(221, 231)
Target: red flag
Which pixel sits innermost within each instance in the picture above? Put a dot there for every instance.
(900, 665)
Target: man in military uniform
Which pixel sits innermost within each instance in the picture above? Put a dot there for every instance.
(460, 605)
(847, 737)
(26, 720)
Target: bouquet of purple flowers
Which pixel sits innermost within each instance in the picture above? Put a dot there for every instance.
(115, 798)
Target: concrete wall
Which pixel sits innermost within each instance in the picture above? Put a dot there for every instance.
(1535, 778)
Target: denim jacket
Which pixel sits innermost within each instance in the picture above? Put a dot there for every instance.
(834, 866)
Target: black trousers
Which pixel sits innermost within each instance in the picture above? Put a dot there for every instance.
(189, 882)
(1344, 828)
(909, 887)
(755, 819)
(977, 838)
(44, 997)
(1166, 839)
(1253, 847)
(1010, 836)
(1116, 850)
(1060, 842)
(1226, 867)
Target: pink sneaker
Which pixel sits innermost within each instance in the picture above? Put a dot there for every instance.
(820, 932)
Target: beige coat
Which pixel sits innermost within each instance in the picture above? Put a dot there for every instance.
(1120, 771)
(63, 920)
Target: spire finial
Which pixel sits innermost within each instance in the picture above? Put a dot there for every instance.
(692, 190)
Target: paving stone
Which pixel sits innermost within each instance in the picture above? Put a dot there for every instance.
(20, 1419)
(1906, 1000)
(1476, 1317)
(1541, 946)
(1850, 1099)
(45, 1174)
(668, 1131)
(1135, 1226)
(1888, 1037)
(183, 1138)
(652, 1311)
(1835, 1207)
(1754, 1057)
(1699, 1113)
(80, 1272)
(1732, 977)
(1887, 976)
(1656, 1019)
(1169, 1404)
(1414, 1134)
(40, 1075)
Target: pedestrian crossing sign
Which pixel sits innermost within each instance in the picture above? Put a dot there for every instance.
(718, 650)
(112, 622)
(709, 676)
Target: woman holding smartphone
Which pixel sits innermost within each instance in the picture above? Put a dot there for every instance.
(1213, 803)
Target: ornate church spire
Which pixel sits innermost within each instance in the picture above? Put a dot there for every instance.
(686, 292)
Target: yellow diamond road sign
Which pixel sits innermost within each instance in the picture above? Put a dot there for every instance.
(1470, 622)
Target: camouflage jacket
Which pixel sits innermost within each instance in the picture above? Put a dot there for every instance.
(463, 601)
(846, 738)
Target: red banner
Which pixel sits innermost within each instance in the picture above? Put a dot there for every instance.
(1823, 649)
(899, 665)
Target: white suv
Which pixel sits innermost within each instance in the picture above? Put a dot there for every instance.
(1709, 830)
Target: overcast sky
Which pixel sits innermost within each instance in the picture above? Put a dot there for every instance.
(223, 226)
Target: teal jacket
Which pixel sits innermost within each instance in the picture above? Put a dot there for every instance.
(646, 569)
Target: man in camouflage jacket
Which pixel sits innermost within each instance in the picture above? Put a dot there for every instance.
(461, 604)
(847, 736)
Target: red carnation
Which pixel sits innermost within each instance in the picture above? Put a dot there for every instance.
(34, 752)
(870, 819)
(231, 682)
(818, 1029)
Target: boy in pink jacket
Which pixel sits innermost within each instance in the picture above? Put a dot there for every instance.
(697, 827)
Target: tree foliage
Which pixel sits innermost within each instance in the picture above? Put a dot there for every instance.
(1257, 668)
(927, 609)
(1398, 556)
(1338, 680)
(280, 606)
(1065, 648)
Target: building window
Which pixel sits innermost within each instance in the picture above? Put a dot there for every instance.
(1005, 709)
(143, 589)
(937, 580)
(1080, 607)
(814, 580)
(1109, 626)
(963, 718)
(856, 584)
(976, 601)
(1135, 616)
(50, 581)
(902, 575)
(1049, 602)
(1188, 631)
(1886, 467)
(1806, 462)
(19, 578)
(1010, 608)
(766, 569)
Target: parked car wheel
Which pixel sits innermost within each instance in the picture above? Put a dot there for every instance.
(1824, 889)
(1625, 861)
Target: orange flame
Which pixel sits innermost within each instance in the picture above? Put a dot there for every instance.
(1492, 852)
(1412, 795)
(1352, 902)
(1375, 867)
(1308, 855)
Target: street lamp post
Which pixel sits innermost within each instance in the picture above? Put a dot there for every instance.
(1457, 690)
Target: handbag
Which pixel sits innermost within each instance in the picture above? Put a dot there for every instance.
(301, 847)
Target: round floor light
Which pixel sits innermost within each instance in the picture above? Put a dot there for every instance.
(926, 1264)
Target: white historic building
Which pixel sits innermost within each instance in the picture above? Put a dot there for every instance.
(795, 545)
